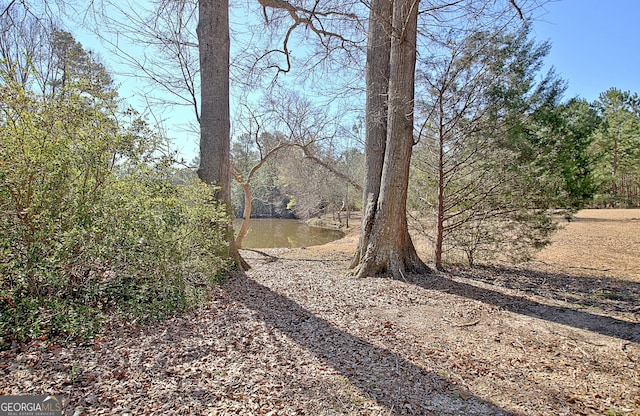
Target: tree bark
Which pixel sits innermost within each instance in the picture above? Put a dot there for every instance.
(246, 217)
(614, 172)
(441, 186)
(388, 248)
(215, 140)
(377, 84)
(214, 46)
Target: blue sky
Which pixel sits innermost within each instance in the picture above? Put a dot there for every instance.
(595, 44)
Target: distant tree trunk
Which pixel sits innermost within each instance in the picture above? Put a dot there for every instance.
(246, 216)
(245, 184)
(614, 172)
(441, 186)
(388, 247)
(215, 140)
(348, 208)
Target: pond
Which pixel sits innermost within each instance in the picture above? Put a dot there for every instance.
(273, 232)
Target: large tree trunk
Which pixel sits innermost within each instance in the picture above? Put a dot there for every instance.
(377, 81)
(389, 248)
(215, 140)
(215, 143)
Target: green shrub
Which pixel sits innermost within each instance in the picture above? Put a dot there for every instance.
(91, 221)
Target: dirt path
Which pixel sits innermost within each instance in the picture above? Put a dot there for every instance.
(295, 336)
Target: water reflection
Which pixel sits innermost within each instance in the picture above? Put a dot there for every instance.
(273, 232)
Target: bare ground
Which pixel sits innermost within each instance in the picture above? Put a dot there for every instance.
(295, 336)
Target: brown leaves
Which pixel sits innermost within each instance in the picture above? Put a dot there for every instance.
(295, 337)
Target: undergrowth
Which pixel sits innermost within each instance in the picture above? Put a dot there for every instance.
(94, 219)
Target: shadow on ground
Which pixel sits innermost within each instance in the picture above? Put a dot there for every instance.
(610, 296)
(604, 294)
(368, 367)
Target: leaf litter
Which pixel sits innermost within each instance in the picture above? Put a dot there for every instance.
(295, 336)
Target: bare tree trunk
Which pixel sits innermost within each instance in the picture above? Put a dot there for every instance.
(246, 215)
(245, 183)
(348, 208)
(614, 173)
(441, 181)
(215, 140)
(377, 80)
(389, 248)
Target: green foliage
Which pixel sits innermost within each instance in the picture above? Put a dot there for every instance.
(616, 149)
(515, 155)
(553, 152)
(91, 221)
(496, 152)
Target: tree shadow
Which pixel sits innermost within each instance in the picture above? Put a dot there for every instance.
(595, 219)
(579, 291)
(607, 294)
(368, 367)
(611, 296)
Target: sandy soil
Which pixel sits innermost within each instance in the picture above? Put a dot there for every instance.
(296, 336)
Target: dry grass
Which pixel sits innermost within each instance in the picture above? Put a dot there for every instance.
(598, 242)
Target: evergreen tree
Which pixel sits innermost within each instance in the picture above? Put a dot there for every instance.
(616, 148)
(497, 150)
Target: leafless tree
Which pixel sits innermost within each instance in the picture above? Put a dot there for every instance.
(287, 121)
(313, 20)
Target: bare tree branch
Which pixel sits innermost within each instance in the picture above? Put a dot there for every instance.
(309, 156)
(6, 9)
(308, 18)
(518, 9)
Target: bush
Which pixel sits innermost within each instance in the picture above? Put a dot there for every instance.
(91, 222)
